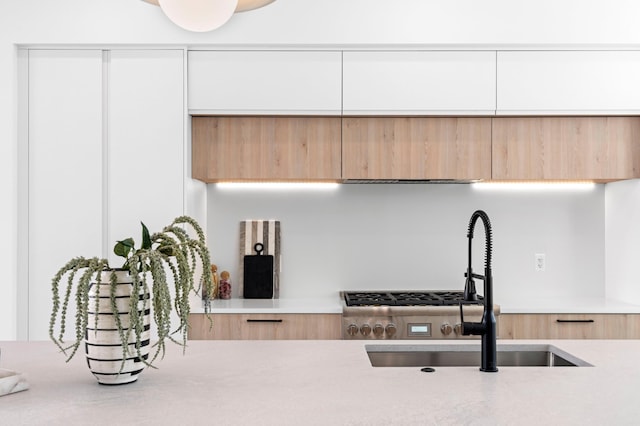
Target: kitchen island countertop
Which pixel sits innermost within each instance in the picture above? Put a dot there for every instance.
(320, 383)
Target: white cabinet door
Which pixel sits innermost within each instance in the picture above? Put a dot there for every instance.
(106, 151)
(568, 82)
(145, 143)
(419, 82)
(65, 170)
(265, 82)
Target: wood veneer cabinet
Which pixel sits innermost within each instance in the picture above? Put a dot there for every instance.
(416, 148)
(570, 326)
(266, 148)
(266, 327)
(566, 148)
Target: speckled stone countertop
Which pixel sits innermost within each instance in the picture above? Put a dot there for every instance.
(274, 306)
(324, 383)
(577, 305)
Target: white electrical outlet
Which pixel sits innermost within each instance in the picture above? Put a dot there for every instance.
(541, 263)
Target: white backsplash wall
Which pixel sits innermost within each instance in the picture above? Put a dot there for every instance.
(413, 236)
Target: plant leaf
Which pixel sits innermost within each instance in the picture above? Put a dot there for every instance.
(146, 238)
(122, 248)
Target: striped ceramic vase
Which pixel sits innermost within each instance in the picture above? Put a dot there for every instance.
(102, 340)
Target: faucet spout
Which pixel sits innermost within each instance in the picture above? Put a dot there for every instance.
(487, 326)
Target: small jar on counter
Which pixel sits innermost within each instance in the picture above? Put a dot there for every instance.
(212, 292)
(225, 285)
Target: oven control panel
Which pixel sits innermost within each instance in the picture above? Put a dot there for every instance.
(364, 330)
(405, 327)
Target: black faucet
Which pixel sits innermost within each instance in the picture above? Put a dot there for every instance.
(487, 326)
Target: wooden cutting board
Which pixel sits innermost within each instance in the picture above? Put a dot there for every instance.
(266, 232)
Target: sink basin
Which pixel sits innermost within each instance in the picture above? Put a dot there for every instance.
(525, 355)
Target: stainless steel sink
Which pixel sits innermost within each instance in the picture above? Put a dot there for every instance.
(525, 355)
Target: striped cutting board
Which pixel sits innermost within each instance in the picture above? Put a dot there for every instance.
(266, 232)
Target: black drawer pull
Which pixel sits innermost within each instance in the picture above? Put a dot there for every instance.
(576, 320)
(264, 320)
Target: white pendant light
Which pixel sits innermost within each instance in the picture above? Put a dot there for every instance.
(244, 5)
(199, 15)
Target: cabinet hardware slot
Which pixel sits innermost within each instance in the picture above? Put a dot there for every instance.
(574, 321)
(264, 320)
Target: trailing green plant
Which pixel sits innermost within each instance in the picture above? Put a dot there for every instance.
(164, 258)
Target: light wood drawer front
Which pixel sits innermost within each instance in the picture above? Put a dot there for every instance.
(265, 327)
(570, 326)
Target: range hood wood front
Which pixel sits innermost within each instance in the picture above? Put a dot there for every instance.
(416, 148)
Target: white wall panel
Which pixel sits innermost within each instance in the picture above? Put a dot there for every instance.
(145, 149)
(65, 170)
(622, 207)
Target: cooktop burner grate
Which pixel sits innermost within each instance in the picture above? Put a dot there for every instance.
(408, 298)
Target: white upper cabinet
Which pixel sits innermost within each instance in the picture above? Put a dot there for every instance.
(265, 82)
(568, 82)
(419, 83)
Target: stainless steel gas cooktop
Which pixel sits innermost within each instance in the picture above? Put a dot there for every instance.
(408, 298)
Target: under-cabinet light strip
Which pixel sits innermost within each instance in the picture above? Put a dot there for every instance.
(535, 186)
(284, 186)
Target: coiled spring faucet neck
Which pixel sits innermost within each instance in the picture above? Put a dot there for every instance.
(479, 214)
(469, 293)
